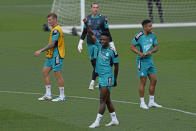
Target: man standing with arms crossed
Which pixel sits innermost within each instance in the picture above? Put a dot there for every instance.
(97, 24)
(146, 44)
(55, 55)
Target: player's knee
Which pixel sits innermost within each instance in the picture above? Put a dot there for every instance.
(155, 81)
(102, 100)
(44, 73)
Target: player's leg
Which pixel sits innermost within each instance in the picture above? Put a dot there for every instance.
(111, 109)
(141, 92)
(45, 73)
(150, 9)
(92, 49)
(153, 81)
(142, 73)
(58, 74)
(103, 97)
(160, 11)
(94, 74)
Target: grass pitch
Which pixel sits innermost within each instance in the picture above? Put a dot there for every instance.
(21, 34)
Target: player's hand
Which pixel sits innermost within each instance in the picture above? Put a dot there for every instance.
(148, 53)
(80, 45)
(142, 54)
(112, 45)
(115, 83)
(85, 20)
(37, 53)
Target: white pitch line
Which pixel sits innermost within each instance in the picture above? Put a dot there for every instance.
(90, 98)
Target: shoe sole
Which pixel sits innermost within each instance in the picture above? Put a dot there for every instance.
(59, 101)
(155, 106)
(94, 127)
(112, 125)
(144, 108)
(45, 100)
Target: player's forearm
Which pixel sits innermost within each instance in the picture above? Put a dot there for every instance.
(155, 49)
(90, 33)
(48, 47)
(84, 32)
(135, 50)
(116, 68)
(89, 30)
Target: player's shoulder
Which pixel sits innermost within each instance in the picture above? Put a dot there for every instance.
(138, 35)
(57, 29)
(102, 17)
(113, 52)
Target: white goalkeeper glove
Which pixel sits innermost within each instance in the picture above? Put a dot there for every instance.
(80, 45)
(112, 45)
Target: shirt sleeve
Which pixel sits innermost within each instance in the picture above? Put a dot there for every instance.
(115, 58)
(135, 42)
(84, 33)
(55, 35)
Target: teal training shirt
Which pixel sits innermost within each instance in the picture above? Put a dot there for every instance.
(144, 43)
(97, 24)
(55, 36)
(105, 59)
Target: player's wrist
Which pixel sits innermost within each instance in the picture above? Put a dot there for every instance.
(139, 53)
(81, 41)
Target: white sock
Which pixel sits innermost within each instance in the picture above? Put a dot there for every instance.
(142, 100)
(48, 89)
(113, 116)
(99, 116)
(151, 98)
(93, 82)
(61, 89)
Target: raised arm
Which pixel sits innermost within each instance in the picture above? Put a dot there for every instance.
(89, 30)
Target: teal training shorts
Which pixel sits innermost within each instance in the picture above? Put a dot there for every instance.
(145, 68)
(106, 81)
(92, 51)
(56, 63)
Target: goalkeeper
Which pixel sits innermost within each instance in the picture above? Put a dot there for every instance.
(97, 24)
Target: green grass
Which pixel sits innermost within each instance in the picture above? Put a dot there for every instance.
(21, 34)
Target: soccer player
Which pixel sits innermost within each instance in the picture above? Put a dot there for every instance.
(98, 24)
(159, 6)
(146, 44)
(107, 56)
(55, 55)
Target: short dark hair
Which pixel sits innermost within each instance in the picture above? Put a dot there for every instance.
(105, 33)
(53, 15)
(144, 22)
(94, 3)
